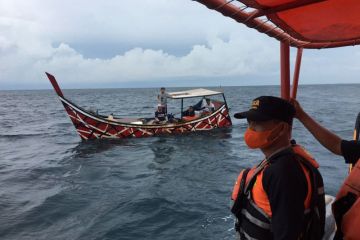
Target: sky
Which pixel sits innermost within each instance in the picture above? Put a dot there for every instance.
(148, 43)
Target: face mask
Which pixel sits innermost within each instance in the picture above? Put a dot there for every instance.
(263, 139)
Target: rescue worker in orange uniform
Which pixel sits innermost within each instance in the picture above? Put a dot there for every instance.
(346, 208)
(283, 196)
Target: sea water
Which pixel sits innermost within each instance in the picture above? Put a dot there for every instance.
(55, 186)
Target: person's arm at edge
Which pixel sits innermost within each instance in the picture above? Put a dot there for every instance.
(328, 139)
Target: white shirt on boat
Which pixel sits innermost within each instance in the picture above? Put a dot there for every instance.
(205, 107)
(162, 98)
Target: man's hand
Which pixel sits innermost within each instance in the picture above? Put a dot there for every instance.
(299, 112)
(328, 139)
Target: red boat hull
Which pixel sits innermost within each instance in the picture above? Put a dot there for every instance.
(92, 126)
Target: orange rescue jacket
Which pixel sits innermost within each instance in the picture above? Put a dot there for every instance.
(346, 207)
(257, 196)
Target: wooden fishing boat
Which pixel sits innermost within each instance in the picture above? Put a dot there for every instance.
(90, 125)
(303, 24)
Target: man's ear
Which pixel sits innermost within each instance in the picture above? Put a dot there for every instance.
(287, 129)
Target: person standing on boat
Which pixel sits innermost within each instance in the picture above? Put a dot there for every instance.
(162, 98)
(282, 197)
(346, 208)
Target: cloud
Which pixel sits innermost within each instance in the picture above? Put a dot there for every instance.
(142, 42)
(217, 58)
(29, 45)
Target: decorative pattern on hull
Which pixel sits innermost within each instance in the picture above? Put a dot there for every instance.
(90, 126)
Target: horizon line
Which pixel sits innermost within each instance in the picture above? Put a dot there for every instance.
(155, 87)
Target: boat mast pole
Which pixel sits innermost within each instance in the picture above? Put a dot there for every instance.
(296, 73)
(285, 69)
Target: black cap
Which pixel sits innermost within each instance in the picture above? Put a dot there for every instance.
(266, 108)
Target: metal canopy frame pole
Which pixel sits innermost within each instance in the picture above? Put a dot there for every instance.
(296, 73)
(285, 70)
(223, 95)
(182, 107)
(227, 107)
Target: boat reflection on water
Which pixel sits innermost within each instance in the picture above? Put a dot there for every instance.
(162, 147)
(86, 149)
(163, 150)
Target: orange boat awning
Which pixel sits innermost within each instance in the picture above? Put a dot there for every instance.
(303, 23)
